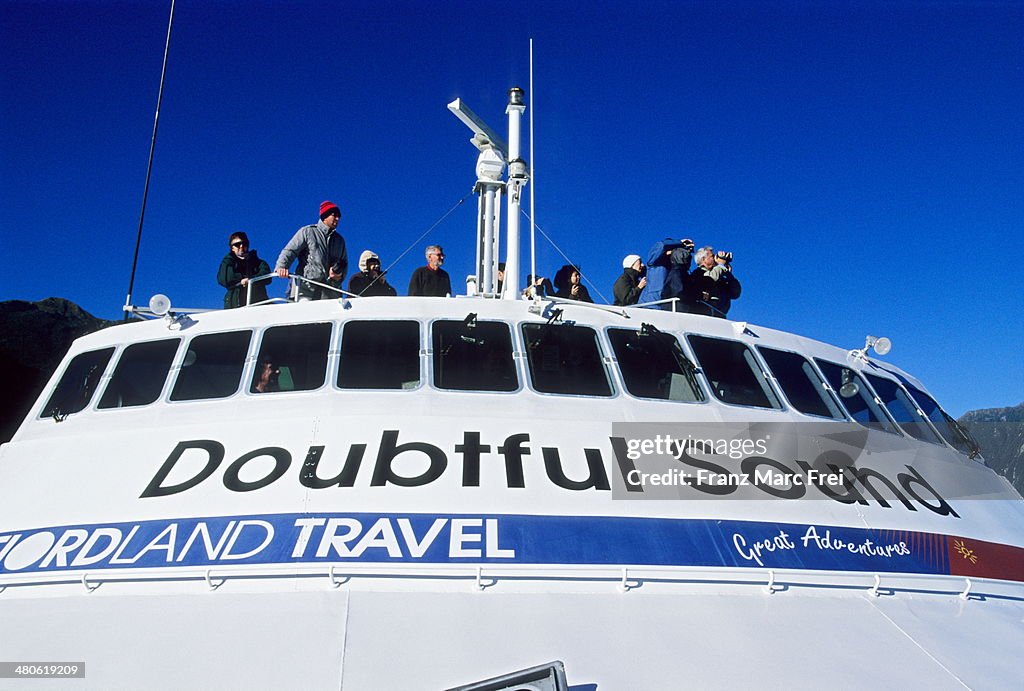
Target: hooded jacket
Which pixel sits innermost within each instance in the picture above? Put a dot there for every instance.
(666, 273)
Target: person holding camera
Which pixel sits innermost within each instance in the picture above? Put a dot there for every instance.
(370, 280)
(631, 283)
(321, 252)
(668, 270)
(713, 286)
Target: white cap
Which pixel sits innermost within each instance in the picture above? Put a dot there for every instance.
(630, 260)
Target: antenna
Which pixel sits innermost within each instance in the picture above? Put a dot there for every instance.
(533, 214)
(149, 166)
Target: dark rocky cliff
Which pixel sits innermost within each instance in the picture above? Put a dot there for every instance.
(33, 338)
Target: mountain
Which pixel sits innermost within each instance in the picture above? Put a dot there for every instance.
(1000, 431)
(33, 338)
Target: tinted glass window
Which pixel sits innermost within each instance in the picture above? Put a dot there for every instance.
(855, 396)
(565, 359)
(951, 430)
(140, 374)
(380, 355)
(292, 358)
(733, 372)
(800, 383)
(653, 365)
(473, 356)
(78, 383)
(902, 409)
(212, 367)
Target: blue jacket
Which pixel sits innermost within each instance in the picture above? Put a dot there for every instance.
(666, 273)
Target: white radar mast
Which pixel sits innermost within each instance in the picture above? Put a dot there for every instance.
(490, 165)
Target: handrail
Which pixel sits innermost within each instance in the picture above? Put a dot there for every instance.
(614, 309)
(674, 302)
(294, 296)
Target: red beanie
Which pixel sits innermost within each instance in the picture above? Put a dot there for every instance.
(326, 207)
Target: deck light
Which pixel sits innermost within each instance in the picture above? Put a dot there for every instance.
(159, 304)
(881, 346)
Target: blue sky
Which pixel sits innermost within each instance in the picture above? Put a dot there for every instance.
(864, 161)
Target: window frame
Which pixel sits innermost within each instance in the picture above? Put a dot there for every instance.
(602, 349)
(246, 373)
(780, 403)
(421, 356)
(822, 382)
(428, 352)
(894, 427)
(100, 384)
(620, 381)
(165, 390)
(937, 438)
(253, 358)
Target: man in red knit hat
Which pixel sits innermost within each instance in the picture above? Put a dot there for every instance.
(321, 252)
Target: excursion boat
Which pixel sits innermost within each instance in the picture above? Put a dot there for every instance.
(494, 491)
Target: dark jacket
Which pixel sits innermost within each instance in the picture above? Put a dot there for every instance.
(363, 283)
(666, 273)
(233, 270)
(626, 288)
(425, 282)
(563, 284)
(711, 291)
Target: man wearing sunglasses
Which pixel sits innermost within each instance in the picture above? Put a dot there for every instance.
(321, 252)
(236, 270)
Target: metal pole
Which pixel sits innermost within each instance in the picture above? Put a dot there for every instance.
(533, 178)
(149, 166)
(515, 112)
(486, 275)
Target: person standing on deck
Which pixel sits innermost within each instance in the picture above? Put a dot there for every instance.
(629, 285)
(320, 249)
(236, 270)
(431, 280)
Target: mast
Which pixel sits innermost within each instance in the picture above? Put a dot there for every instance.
(490, 166)
(149, 165)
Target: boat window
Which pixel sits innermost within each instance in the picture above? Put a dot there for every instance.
(292, 358)
(902, 409)
(733, 372)
(380, 355)
(855, 396)
(951, 430)
(801, 383)
(140, 374)
(471, 355)
(653, 365)
(77, 384)
(565, 359)
(212, 367)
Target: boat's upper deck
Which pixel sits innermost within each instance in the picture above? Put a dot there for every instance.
(551, 358)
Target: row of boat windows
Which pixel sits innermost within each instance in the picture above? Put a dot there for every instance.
(479, 356)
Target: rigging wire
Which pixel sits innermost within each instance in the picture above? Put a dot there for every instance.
(149, 165)
(567, 259)
(415, 242)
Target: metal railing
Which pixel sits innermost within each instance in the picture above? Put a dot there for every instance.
(293, 291)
